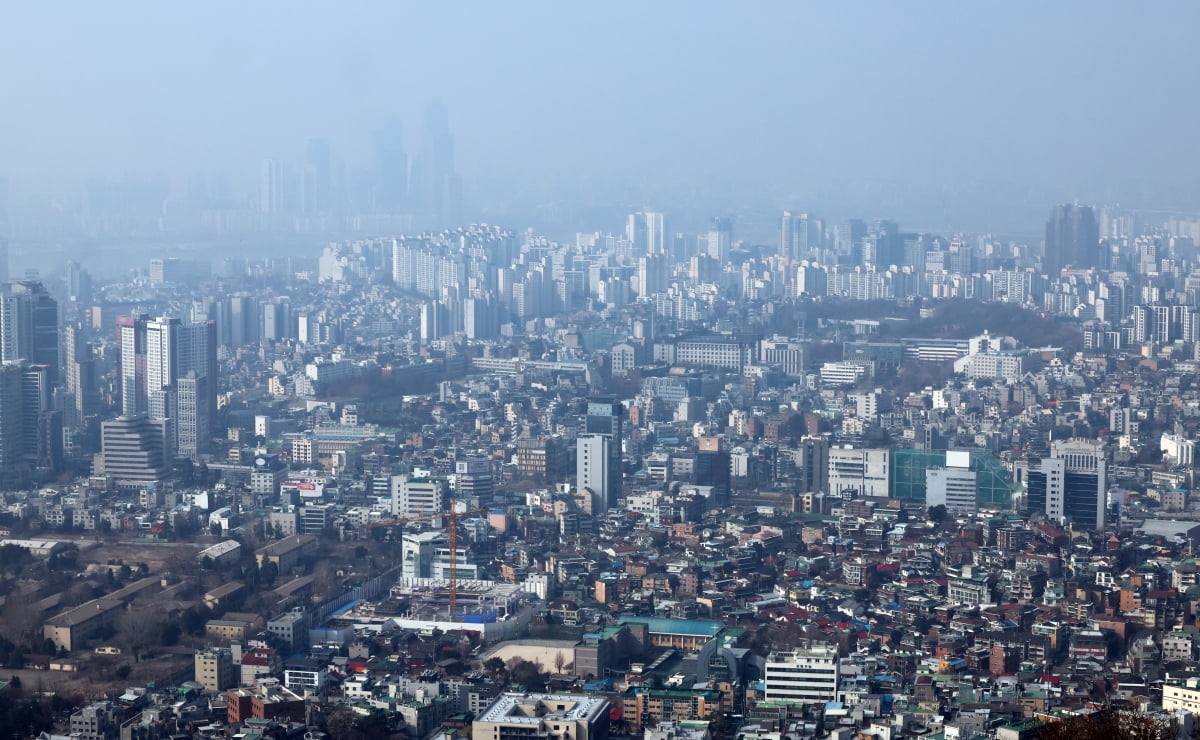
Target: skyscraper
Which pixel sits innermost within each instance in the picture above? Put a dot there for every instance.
(81, 375)
(1070, 486)
(801, 236)
(193, 421)
(391, 167)
(155, 355)
(646, 232)
(1072, 240)
(13, 469)
(29, 325)
(131, 338)
(719, 239)
(440, 190)
(318, 177)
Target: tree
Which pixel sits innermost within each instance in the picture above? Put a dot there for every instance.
(494, 667)
(1110, 724)
(193, 620)
(21, 620)
(169, 633)
(527, 674)
(938, 513)
(342, 722)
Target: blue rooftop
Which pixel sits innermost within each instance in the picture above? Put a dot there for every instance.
(669, 626)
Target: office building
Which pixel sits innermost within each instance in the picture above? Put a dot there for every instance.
(192, 420)
(473, 480)
(155, 355)
(602, 475)
(952, 486)
(1070, 486)
(1072, 240)
(132, 449)
(855, 473)
(415, 494)
(805, 675)
(13, 467)
(80, 376)
(786, 354)
(29, 325)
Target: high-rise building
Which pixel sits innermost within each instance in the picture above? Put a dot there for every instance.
(653, 274)
(1070, 486)
(162, 353)
(440, 189)
(192, 417)
(646, 233)
(391, 166)
(277, 320)
(3, 256)
(801, 236)
(606, 415)
(593, 472)
(719, 240)
(29, 325)
(318, 176)
(13, 467)
(1072, 240)
(132, 449)
(277, 187)
(601, 445)
(36, 389)
(435, 321)
(156, 353)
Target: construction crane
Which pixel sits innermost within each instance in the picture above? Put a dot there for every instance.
(451, 518)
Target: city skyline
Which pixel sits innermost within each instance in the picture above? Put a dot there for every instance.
(841, 112)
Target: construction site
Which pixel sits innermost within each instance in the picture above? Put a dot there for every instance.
(496, 611)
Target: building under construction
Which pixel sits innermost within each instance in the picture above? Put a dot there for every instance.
(494, 610)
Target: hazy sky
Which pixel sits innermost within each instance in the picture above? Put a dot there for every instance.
(971, 114)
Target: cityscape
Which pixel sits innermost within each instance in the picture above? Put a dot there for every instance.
(354, 436)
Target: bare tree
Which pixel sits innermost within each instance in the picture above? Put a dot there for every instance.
(1110, 724)
(21, 620)
(137, 631)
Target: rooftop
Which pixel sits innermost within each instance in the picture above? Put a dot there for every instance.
(534, 708)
